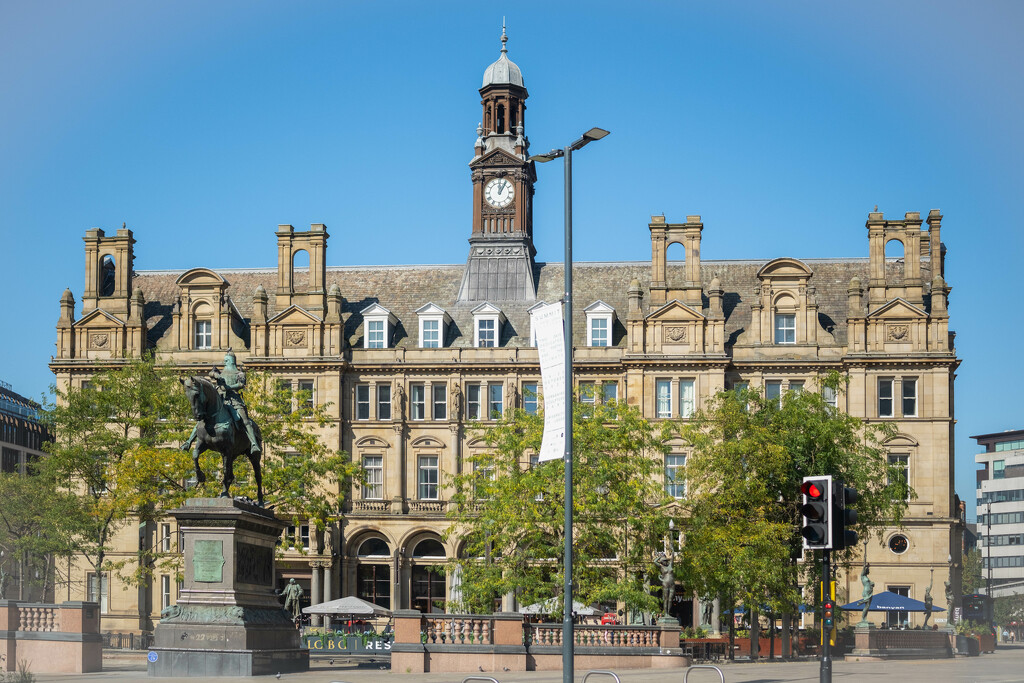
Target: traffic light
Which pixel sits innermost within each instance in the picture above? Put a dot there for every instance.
(828, 616)
(843, 516)
(816, 511)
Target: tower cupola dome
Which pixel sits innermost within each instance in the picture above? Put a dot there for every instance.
(504, 71)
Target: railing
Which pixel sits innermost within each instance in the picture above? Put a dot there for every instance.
(127, 641)
(435, 506)
(33, 617)
(371, 506)
(900, 640)
(453, 629)
(595, 636)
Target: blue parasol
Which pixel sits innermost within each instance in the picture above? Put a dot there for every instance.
(887, 601)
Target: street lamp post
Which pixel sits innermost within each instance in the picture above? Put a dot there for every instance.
(567, 591)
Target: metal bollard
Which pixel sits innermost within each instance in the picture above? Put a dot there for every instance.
(703, 666)
(601, 673)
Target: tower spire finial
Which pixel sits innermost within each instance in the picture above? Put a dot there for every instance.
(504, 36)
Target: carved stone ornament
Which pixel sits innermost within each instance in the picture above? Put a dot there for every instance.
(295, 338)
(898, 333)
(676, 334)
(99, 340)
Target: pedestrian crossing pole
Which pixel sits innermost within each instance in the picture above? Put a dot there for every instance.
(827, 606)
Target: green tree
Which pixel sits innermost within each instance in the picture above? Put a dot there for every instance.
(749, 455)
(112, 448)
(972, 576)
(509, 511)
(36, 530)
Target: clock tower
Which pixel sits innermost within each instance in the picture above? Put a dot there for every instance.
(500, 264)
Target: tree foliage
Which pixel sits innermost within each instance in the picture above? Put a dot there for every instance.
(972, 580)
(509, 513)
(115, 448)
(749, 455)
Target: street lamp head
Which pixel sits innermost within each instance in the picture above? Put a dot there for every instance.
(550, 156)
(595, 134)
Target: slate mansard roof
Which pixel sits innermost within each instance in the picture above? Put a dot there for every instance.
(404, 289)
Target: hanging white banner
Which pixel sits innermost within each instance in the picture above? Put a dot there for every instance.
(546, 321)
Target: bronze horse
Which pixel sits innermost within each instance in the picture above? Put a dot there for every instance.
(219, 429)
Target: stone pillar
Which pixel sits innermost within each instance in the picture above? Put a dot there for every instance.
(315, 593)
(716, 618)
(328, 586)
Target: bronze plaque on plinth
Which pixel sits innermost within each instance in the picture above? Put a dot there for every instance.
(208, 562)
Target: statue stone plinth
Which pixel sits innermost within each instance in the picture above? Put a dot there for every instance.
(228, 621)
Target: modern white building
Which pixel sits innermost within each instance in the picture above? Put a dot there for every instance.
(1001, 506)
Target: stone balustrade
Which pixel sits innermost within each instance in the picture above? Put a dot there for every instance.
(62, 638)
(506, 642)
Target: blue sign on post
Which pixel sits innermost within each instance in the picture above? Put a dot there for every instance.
(153, 656)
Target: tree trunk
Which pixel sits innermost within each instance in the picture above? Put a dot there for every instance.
(787, 639)
(755, 634)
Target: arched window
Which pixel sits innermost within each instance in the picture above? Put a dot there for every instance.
(373, 572)
(500, 128)
(108, 275)
(202, 327)
(429, 549)
(895, 264)
(429, 592)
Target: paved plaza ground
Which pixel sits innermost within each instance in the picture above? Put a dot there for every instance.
(1005, 666)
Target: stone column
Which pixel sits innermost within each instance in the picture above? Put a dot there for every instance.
(328, 586)
(315, 596)
(716, 617)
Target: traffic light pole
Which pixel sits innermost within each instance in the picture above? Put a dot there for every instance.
(826, 633)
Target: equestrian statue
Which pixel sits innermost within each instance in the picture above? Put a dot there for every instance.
(222, 423)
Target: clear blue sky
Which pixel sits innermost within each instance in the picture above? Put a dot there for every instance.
(781, 123)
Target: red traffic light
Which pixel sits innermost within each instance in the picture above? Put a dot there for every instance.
(812, 489)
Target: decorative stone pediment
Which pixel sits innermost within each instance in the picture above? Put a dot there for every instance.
(898, 309)
(498, 157)
(427, 442)
(294, 315)
(371, 442)
(675, 311)
(99, 318)
(785, 267)
(201, 277)
(903, 440)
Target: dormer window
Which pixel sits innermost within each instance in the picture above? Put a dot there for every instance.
(378, 324)
(600, 317)
(433, 326)
(533, 330)
(487, 321)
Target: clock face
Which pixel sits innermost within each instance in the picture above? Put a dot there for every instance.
(499, 193)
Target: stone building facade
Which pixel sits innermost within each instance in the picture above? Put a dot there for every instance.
(409, 358)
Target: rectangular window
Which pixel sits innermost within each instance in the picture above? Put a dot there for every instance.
(530, 402)
(885, 397)
(284, 390)
(898, 618)
(495, 407)
(304, 536)
(165, 591)
(796, 387)
(204, 334)
(165, 538)
(773, 391)
(609, 391)
(900, 471)
(373, 469)
(305, 396)
(375, 334)
(483, 476)
(417, 402)
(675, 482)
(486, 329)
(588, 392)
(909, 397)
(686, 398)
(785, 328)
(428, 477)
(599, 332)
(431, 334)
(999, 469)
(362, 401)
(663, 398)
(473, 401)
(98, 587)
(440, 402)
(831, 396)
(383, 401)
